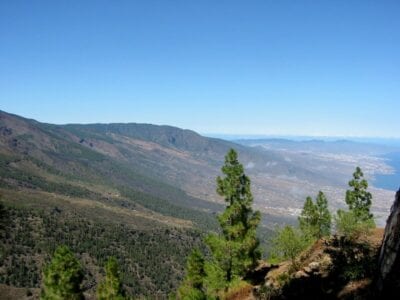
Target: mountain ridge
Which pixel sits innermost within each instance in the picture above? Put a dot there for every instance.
(185, 160)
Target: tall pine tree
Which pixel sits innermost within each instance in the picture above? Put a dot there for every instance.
(324, 217)
(358, 220)
(358, 198)
(307, 218)
(236, 249)
(62, 278)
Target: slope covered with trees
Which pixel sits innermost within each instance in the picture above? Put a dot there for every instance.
(86, 187)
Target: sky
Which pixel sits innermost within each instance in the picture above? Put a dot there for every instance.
(321, 68)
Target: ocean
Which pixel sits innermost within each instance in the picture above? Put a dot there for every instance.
(392, 181)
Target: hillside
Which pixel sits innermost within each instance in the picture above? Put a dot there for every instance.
(183, 161)
(135, 191)
(329, 269)
(57, 190)
(48, 158)
(116, 161)
(105, 190)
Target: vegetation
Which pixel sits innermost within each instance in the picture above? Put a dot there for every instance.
(153, 258)
(153, 253)
(235, 250)
(352, 259)
(349, 255)
(358, 220)
(349, 226)
(315, 218)
(314, 223)
(287, 244)
(358, 199)
(3, 216)
(62, 278)
(193, 284)
(111, 287)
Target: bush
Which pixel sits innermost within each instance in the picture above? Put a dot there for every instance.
(351, 227)
(288, 243)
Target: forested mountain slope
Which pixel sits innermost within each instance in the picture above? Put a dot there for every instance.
(130, 190)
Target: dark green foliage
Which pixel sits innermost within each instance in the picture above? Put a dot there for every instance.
(358, 199)
(62, 278)
(26, 179)
(202, 219)
(193, 284)
(352, 259)
(324, 218)
(111, 287)
(3, 216)
(235, 250)
(307, 218)
(153, 259)
(195, 269)
(315, 218)
(358, 220)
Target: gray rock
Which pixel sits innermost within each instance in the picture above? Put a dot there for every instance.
(388, 281)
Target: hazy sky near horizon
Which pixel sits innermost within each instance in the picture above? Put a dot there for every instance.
(234, 67)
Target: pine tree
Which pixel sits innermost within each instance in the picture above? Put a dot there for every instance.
(62, 278)
(315, 219)
(358, 199)
(324, 218)
(236, 250)
(192, 287)
(111, 287)
(307, 219)
(358, 220)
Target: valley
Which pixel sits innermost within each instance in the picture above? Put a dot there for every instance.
(121, 188)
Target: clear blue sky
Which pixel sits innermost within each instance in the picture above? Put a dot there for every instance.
(235, 67)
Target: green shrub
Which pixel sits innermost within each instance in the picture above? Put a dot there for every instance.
(351, 227)
(288, 243)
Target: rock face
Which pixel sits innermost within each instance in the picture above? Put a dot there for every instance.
(388, 282)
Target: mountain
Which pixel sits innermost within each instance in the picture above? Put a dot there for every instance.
(181, 166)
(162, 161)
(126, 190)
(60, 186)
(64, 161)
(143, 193)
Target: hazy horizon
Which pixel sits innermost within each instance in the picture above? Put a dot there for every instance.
(238, 136)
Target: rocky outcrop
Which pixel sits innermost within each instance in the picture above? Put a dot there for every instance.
(388, 281)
